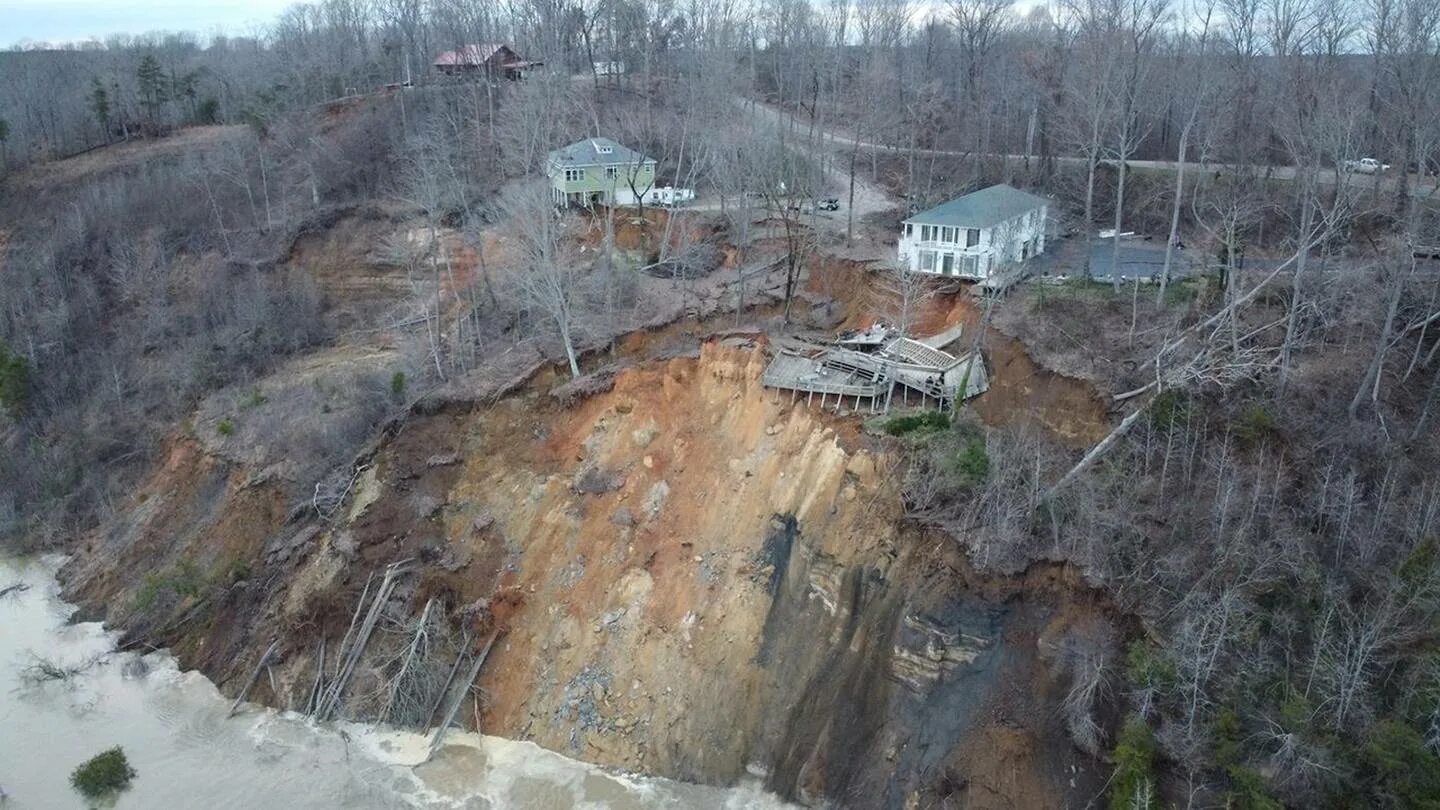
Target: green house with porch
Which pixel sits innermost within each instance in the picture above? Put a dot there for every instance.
(599, 171)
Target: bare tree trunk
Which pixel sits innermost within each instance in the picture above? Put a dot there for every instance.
(1096, 452)
(1371, 380)
(1174, 216)
(1090, 165)
(850, 206)
(1292, 316)
(1119, 218)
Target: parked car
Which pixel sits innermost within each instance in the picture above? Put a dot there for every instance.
(1366, 166)
(828, 204)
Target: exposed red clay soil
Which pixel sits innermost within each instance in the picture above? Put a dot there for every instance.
(627, 547)
(693, 577)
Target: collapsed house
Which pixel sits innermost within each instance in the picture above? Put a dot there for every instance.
(871, 364)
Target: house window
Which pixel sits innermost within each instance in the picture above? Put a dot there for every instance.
(972, 237)
(947, 234)
(909, 229)
(612, 172)
(572, 175)
(968, 265)
(927, 261)
(927, 233)
(948, 263)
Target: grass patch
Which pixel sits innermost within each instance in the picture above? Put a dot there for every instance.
(1075, 288)
(237, 570)
(254, 399)
(397, 384)
(103, 774)
(923, 422)
(1181, 292)
(225, 427)
(184, 581)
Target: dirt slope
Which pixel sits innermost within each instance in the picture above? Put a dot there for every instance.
(694, 578)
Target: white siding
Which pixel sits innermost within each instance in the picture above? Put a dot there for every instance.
(925, 248)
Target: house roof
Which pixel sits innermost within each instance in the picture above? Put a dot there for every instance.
(590, 152)
(474, 54)
(981, 209)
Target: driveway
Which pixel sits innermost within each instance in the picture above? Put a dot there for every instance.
(1139, 258)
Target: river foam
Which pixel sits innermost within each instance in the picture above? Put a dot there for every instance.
(187, 751)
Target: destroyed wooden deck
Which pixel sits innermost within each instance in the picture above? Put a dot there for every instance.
(914, 365)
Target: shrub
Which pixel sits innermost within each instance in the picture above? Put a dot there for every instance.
(1147, 667)
(1247, 788)
(209, 111)
(183, 580)
(237, 571)
(1254, 426)
(397, 384)
(1169, 409)
(225, 427)
(1133, 783)
(14, 380)
(972, 463)
(1408, 773)
(105, 773)
(924, 422)
(1419, 566)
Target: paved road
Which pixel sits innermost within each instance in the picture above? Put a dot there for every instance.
(869, 197)
(1327, 176)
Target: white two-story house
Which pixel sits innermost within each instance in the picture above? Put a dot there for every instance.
(976, 235)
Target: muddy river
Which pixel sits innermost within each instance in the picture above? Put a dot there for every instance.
(174, 729)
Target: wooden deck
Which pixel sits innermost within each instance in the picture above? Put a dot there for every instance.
(912, 365)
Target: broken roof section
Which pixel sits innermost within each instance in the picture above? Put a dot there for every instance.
(981, 209)
(597, 152)
(871, 363)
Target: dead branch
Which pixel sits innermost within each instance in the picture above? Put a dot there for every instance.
(254, 676)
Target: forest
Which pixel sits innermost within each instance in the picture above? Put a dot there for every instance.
(1263, 509)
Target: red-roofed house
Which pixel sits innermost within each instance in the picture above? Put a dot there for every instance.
(494, 59)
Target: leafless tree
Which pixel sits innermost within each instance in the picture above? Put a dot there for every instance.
(549, 277)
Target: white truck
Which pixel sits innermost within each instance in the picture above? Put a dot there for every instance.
(1366, 166)
(668, 196)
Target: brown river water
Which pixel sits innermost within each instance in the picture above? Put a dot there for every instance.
(174, 729)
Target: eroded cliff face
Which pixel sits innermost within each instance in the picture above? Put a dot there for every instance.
(693, 577)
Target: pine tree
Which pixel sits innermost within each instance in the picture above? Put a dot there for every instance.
(151, 79)
(100, 105)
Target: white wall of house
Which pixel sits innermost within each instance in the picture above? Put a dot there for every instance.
(973, 253)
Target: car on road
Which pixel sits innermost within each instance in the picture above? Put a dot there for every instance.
(811, 206)
(1366, 166)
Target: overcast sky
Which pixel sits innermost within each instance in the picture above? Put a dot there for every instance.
(74, 20)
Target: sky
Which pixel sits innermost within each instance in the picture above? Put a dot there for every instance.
(78, 20)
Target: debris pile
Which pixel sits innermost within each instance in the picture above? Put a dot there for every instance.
(870, 364)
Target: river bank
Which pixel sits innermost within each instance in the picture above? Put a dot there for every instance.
(175, 730)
